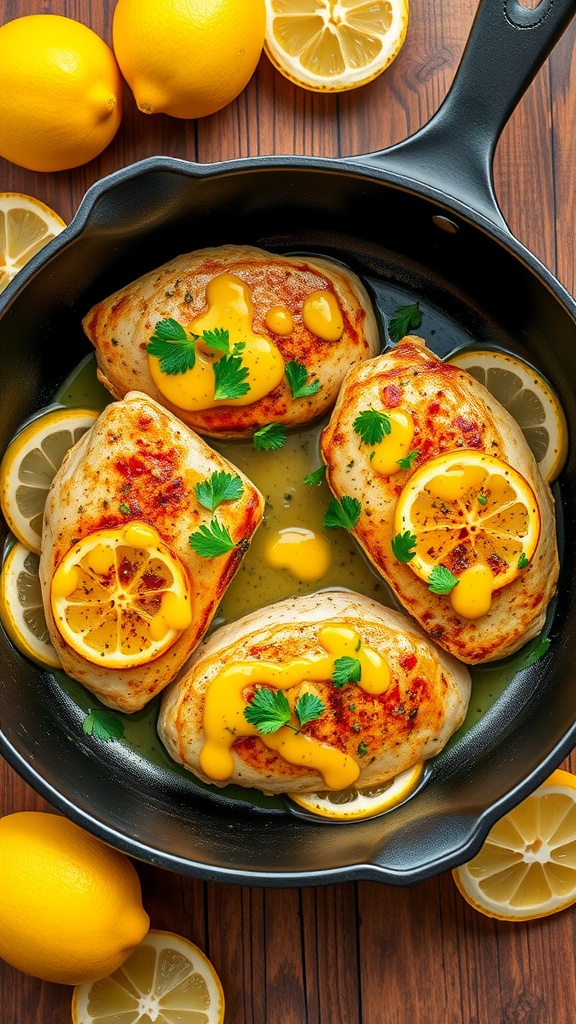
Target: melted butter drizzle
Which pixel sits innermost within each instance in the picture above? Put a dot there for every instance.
(224, 720)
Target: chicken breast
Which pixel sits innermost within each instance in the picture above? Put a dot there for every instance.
(139, 466)
(410, 697)
(449, 410)
(309, 314)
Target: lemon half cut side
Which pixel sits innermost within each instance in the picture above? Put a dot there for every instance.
(354, 804)
(526, 868)
(167, 979)
(334, 45)
(21, 607)
(528, 397)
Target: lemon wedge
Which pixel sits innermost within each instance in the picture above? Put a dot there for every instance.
(21, 608)
(26, 226)
(352, 804)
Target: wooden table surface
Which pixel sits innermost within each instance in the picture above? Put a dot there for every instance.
(352, 952)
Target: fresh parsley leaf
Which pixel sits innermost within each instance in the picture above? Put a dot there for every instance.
(372, 425)
(538, 651)
(171, 345)
(230, 377)
(316, 477)
(268, 710)
(346, 670)
(404, 320)
(104, 725)
(344, 513)
(211, 540)
(522, 561)
(308, 707)
(218, 339)
(124, 508)
(297, 376)
(217, 488)
(408, 461)
(441, 580)
(404, 546)
(270, 438)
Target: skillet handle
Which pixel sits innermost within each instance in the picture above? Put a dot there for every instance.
(454, 151)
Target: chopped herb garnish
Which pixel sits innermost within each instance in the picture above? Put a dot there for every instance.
(404, 320)
(124, 508)
(104, 725)
(269, 710)
(362, 749)
(482, 499)
(342, 514)
(174, 348)
(346, 670)
(522, 561)
(404, 546)
(372, 425)
(408, 461)
(230, 375)
(270, 438)
(217, 488)
(211, 540)
(316, 477)
(297, 377)
(218, 339)
(441, 580)
(538, 651)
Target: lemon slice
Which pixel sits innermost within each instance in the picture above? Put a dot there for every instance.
(167, 979)
(29, 465)
(334, 45)
(528, 397)
(119, 597)
(26, 225)
(352, 804)
(527, 866)
(473, 520)
(21, 608)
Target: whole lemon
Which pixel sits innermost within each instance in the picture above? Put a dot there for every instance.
(61, 92)
(70, 906)
(187, 58)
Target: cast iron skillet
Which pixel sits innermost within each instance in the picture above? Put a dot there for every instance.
(417, 221)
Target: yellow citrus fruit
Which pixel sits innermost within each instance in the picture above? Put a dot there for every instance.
(71, 906)
(528, 397)
(29, 464)
(334, 45)
(351, 804)
(187, 58)
(26, 225)
(527, 866)
(119, 597)
(167, 979)
(21, 607)
(61, 92)
(468, 511)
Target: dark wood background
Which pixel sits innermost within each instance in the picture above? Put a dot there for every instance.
(352, 953)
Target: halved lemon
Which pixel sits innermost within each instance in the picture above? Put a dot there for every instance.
(527, 866)
(352, 803)
(528, 397)
(334, 45)
(21, 608)
(29, 465)
(468, 510)
(167, 979)
(26, 225)
(119, 597)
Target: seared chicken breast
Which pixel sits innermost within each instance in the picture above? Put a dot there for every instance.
(133, 475)
(447, 410)
(294, 327)
(387, 697)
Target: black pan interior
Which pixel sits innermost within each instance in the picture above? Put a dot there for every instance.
(473, 283)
